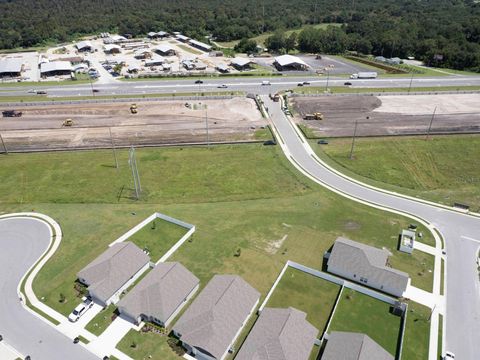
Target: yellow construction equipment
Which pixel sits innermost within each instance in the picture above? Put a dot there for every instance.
(314, 116)
(133, 108)
(68, 122)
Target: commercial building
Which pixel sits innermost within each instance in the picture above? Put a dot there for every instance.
(289, 62)
(182, 38)
(241, 63)
(54, 68)
(84, 46)
(165, 50)
(156, 60)
(211, 324)
(142, 54)
(366, 265)
(157, 35)
(11, 67)
(161, 295)
(200, 45)
(279, 334)
(113, 271)
(353, 346)
(112, 49)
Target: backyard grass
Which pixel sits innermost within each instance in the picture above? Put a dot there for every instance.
(417, 332)
(102, 320)
(357, 312)
(147, 346)
(411, 165)
(158, 237)
(307, 293)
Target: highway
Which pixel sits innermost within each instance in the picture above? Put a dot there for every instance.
(22, 242)
(246, 84)
(460, 231)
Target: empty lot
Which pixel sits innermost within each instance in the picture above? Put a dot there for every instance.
(157, 122)
(390, 115)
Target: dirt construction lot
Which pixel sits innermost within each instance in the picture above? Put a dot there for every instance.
(390, 115)
(157, 122)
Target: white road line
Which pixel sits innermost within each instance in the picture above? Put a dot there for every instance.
(469, 238)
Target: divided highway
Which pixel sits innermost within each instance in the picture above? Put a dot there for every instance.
(22, 242)
(460, 231)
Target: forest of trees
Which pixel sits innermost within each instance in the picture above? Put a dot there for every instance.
(420, 28)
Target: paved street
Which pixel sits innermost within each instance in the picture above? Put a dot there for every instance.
(246, 84)
(460, 231)
(22, 242)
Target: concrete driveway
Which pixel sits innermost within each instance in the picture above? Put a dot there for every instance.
(22, 242)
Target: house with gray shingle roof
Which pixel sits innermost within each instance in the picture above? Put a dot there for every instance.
(279, 334)
(211, 324)
(114, 271)
(353, 346)
(366, 265)
(161, 295)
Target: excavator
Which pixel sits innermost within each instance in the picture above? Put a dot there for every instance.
(68, 122)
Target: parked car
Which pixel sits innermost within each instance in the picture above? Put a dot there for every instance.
(223, 86)
(449, 355)
(78, 312)
(199, 82)
(348, 83)
(306, 83)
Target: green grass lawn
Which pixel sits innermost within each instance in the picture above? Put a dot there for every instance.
(242, 196)
(417, 330)
(359, 90)
(427, 169)
(357, 312)
(158, 237)
(307, 293)
(101, 321)
(189, 49)
(148, 346)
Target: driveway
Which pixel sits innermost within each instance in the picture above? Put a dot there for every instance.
(22, 242)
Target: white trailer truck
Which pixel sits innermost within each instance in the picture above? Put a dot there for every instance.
(364, 75)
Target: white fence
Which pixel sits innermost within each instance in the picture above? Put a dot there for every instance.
(191, 229)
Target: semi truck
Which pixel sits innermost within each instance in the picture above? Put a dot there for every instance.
(11, 113)
(364, 75)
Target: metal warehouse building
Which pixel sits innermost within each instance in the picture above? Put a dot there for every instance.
(56, 68)
(11, 67)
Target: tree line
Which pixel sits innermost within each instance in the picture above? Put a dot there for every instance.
(444, 33)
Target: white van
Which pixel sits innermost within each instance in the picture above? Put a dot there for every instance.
(266, 82)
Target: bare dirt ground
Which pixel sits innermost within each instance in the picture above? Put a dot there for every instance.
(159, 122)
(390, 115)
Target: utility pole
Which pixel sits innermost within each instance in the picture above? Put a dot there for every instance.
(91, 85)
(353, 139)
(431, 122)
(328, 78)
(410, 86)
(3, 144)
(113, 147)
(206, 126)
(136, 178)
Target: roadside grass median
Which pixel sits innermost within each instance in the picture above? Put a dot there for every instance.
(361, 90)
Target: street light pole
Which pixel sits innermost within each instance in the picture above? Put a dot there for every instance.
(328, 78)
(410, 86)
(353, 140)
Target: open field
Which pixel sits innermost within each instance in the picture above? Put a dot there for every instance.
(158, 237)
(244, 196)
(390, 114)
(157, 122)
(357, 312)
(428, 169)
(307, 293)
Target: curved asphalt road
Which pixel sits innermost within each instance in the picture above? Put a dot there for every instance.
(460, 231)
(22, 242)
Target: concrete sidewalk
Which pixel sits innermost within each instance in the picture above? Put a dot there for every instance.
(7, 352)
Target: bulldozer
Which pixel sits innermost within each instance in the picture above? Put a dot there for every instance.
(68, 122)
(314, 116)
(133, 108)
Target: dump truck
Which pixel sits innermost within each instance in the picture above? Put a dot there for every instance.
(133, 108)
(68, 122)
(314, 116)
(11, 113)
(275, 97)
(364, 75)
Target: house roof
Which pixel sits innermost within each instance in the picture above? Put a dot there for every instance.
(200, 44)
(11, 65)
(215, 316)
(113, 268)
(164, 48)
(83, 44)
(366, 261)
(161, 292)
(279, 334)
(56, 66)
(286, 60)
(353, 346)
(239, 61)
